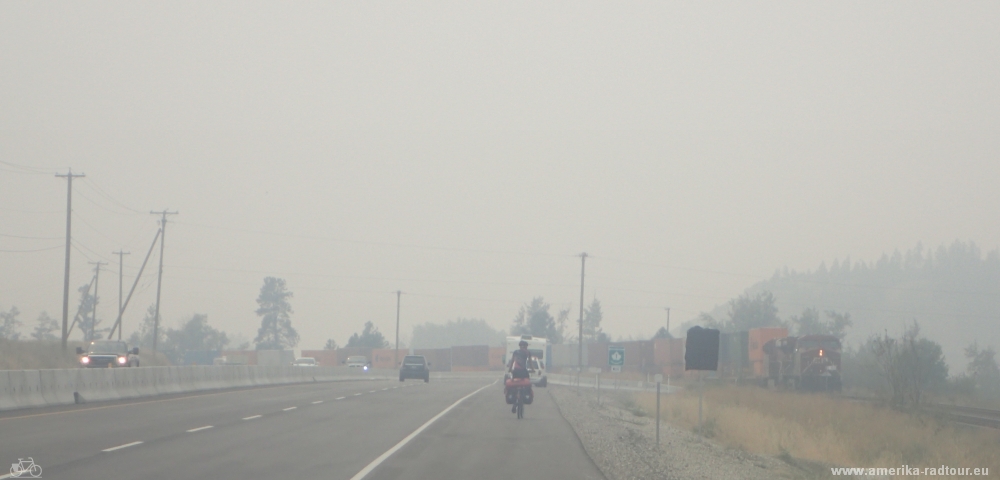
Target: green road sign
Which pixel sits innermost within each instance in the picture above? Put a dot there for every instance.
(616, 356)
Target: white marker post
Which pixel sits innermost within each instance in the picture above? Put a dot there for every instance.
(597, 382)
(659, 378)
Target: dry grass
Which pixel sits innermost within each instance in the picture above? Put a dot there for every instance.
(828, 430)
(32, 355)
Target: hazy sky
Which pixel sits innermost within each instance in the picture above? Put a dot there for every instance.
(464, 153)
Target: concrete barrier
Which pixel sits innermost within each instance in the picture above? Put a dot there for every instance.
(95, 385)
(57, 387)
(36, 388)
(25, 388)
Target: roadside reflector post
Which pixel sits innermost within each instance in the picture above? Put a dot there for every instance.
(701, 395)
(659, 378)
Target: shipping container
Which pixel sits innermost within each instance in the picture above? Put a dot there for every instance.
(470, 356)
(343, 353)
(734, 360)
(240, 357)
(497, 355)
(438, 358)
(325, 358)
(669, 352)
(201, 357)
(386, 358)
(759, 336)
(275, 358)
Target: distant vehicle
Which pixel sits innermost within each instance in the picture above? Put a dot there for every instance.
(305, 362)
(536, 346)
(415, 366)
(357, 361)
(108, 354)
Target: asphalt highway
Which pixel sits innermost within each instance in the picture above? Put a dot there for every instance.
(457, 428)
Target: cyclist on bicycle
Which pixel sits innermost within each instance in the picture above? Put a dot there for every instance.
(518, 365)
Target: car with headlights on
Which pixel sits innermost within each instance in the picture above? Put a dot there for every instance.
(108, 354)
(358, 361)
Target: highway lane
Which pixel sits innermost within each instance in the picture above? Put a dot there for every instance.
(330, 430)
(54, 436)
(482, 439)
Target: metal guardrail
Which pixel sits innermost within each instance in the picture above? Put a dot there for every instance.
(608, 382)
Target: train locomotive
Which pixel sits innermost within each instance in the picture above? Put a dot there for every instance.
(809, 362)
(771, 358)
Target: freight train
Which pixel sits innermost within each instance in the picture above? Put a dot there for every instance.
(771, 358)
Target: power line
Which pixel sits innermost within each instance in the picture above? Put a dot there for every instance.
(362, 277)
(27, 169)
(29, 238)
(32, 251)
(386, 244)
(101, 192)
(102, 207)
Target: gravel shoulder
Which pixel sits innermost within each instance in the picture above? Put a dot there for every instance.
(623, 445)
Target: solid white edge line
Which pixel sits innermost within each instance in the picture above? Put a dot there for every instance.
(119, 447)
(381, 458)
(206, 427)
(251, 417)
(289, 408)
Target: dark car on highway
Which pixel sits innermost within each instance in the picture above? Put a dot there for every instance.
(415, 366)
(108, 353)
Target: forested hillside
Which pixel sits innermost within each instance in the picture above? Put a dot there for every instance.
(953, 292)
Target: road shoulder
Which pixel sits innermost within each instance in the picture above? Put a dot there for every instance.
(624, 446)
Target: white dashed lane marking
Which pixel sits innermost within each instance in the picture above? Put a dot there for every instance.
(119, 447)
(317, 402)
(340, 398)
(251, 417)
(206, 427)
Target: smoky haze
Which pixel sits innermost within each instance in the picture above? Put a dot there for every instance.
(466, 153)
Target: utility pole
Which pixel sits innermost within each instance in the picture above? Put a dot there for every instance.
(93, 314)
(668, 322)
(159, 277)
(395, 354)
(583, 265)
(121, 267)
(69, 212)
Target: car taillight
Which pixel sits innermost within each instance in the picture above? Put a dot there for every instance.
(85, 360)
(122, 360)
(821, 353)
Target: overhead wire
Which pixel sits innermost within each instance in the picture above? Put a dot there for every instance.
(27, 169)
(371, 242)
(363, 277)
(102, 207)
(34, 250)
(29, 238)
(92, 183)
